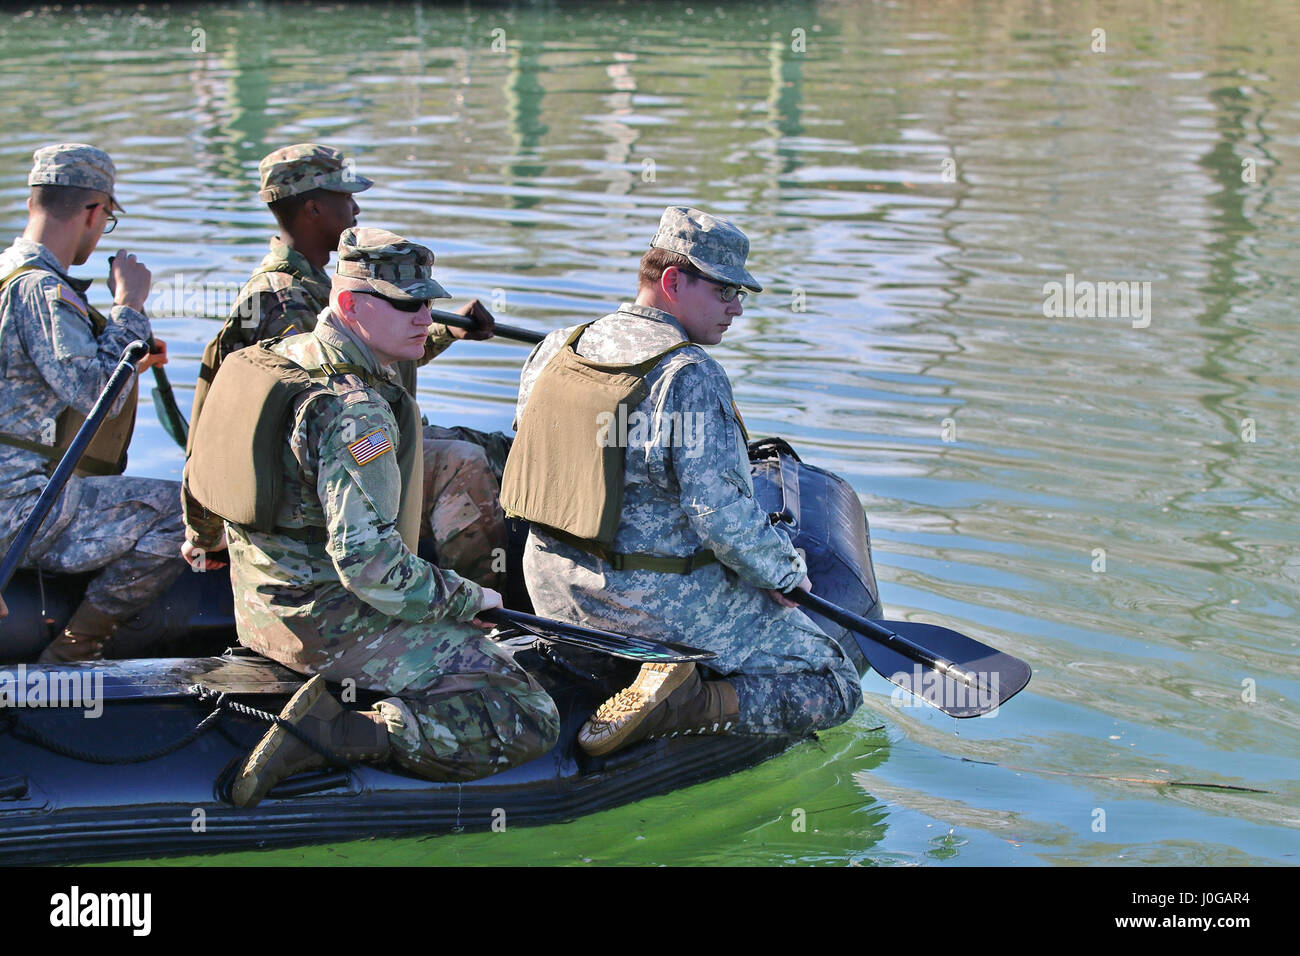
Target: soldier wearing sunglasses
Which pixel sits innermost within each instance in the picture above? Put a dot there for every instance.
(329, 583)
(310, 189)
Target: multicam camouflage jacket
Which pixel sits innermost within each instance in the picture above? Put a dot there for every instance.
(304, 602)
(284, 296)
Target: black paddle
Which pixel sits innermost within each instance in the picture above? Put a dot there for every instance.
(164, 404)
(505, 331)
(54, 487)
(173, 420)
(948, 670)
(607, 642)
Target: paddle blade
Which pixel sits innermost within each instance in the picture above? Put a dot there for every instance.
(997, 676)
(169, 416)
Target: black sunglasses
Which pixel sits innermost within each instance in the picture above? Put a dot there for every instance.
(401, 305)
(726, 290)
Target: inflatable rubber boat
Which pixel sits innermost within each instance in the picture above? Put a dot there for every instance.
(142, 767)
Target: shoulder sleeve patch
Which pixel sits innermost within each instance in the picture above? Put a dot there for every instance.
(67, 295)
(366, 449)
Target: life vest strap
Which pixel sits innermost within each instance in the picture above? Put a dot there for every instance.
(622, 561)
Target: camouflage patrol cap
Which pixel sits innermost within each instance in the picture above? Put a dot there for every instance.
(715, 246)
(296, 169)
(392, 266)
(74, 164)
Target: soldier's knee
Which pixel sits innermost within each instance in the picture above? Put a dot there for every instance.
(839, 705)
(524, 718)
(540, 720)
(478, 732)
(844, 692)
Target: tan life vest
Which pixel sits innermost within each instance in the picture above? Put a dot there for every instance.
(565, 472)
(106, 453)
(234, 465)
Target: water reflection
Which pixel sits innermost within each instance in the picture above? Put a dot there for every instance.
(910, 177)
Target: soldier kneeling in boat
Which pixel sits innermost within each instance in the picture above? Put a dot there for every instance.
(322, 535)
(56, 355)
(654, 529)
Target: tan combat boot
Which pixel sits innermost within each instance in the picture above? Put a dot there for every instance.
(351, 735)
(665, 700)
(83, 637)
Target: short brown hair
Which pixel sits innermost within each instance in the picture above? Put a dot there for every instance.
(64, 202)
(656, 262)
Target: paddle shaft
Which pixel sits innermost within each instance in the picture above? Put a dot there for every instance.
(663, 651)
(504, 331)
(54, 487)
(882, 635)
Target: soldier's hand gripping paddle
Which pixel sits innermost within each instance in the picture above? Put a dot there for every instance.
(607, 642)
(948, 670)
(54, 487)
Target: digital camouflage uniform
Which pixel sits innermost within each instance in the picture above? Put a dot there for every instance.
(285, 295)
(50, 360)
(360, 605)
(687, 487)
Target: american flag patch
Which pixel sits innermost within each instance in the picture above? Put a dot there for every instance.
(367, 449)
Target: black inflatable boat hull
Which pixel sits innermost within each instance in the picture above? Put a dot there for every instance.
(56, 807)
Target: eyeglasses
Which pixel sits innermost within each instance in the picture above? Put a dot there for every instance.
(111, 222)
(401, 305)
(726, 291)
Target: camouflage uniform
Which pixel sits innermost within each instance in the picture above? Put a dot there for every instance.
(687, 487)
(285, 295)
(360, 605)
(50, 360)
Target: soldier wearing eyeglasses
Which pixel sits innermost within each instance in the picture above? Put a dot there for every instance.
(56, 355)
(310, 189)
(631, 462)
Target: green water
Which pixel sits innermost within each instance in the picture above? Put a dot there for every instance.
(1078, 490)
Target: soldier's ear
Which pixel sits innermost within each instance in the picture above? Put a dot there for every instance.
(347, 303)
(670, 281)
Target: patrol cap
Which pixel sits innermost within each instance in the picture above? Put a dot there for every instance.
(715, 246)
(74, 164)
(392, 266)
(291, 170)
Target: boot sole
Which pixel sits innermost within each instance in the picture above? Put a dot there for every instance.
(677, 675)
(248, 790)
